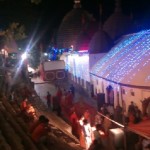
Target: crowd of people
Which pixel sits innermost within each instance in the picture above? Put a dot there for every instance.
(135, 115)
(62, 101)
(88, 128)
(89, 131)
(38, 127)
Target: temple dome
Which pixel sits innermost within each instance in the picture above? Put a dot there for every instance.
(84, 38)
(117, 24)
(72, 25)
(100, 42)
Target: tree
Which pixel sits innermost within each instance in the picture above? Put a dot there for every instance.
(34, 57)
(13, 33)
(15, 30)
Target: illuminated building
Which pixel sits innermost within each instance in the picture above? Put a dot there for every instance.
(114, 64)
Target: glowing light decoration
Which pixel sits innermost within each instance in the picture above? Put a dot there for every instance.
(128, 62)
(78, 65)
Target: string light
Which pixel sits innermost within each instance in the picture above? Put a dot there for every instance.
(128, 61)
(78, 65)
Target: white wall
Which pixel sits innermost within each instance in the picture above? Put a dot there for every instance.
(54, 65)
(139, 94)
(78, 65)
(93, 58)
(130, 94)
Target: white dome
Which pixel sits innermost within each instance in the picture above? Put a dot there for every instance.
(128, 62)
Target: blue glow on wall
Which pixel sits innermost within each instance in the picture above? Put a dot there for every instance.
(128, 61)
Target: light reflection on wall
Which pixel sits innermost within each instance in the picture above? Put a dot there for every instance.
(78, 65)
(128, 61)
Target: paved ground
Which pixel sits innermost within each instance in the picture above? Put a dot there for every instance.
(42, 87)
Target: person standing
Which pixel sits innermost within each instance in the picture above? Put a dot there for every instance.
(48, 100)
(98, 119)
(57, 101)
(39, 134)
(24, 104)
(74, 124)
(107, 124)
(87, 116)
(131, 108)
(72, 89)
(87, 132)
(41, 119)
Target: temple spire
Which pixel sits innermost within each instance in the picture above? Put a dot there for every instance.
(77, 4)
(100, 16)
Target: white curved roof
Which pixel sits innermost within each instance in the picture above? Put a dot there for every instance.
(128, 62)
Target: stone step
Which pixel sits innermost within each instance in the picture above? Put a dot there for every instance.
(57, 131)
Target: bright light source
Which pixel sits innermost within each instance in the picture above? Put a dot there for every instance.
(30, 69)
(24, 56)
(45, 54)
(83, 51)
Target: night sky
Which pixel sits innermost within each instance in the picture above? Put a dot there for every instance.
(44, 19)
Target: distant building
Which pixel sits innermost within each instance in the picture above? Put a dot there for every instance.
(73, 24)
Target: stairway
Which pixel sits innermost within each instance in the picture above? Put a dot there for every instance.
(14, 131)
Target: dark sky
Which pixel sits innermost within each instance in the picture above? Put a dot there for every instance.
(46, 17)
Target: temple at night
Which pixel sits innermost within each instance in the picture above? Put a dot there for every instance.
(88, 90)
(109, 61)
(106, 59)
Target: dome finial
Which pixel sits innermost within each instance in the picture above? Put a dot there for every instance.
(118, 6)
(77, 4)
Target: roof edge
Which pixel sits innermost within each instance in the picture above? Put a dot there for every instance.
(122, 84)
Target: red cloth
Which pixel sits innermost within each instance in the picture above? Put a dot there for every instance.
(131, 118)
(142, 128)
(24, 105)
(59, 93)
(33, 126)
(69, 100)
(75, 125)
(81, 107)
(39, 131)
(86, 115)
(73, 118)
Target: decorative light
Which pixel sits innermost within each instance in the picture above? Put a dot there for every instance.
(126, 60)
(45, 54)
(83, 51)
(78, 65)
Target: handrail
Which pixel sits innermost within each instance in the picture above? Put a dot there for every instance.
(127, 128)
(119, 124)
